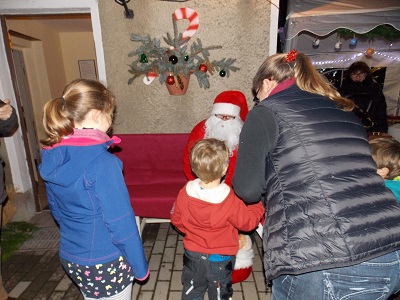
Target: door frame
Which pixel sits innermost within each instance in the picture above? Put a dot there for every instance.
(15, 145)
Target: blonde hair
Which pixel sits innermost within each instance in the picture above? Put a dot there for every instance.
(78, 98)
(277, 68)
(386, 154)
(209, 158)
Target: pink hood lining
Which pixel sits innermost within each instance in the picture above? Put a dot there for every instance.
(86, 137)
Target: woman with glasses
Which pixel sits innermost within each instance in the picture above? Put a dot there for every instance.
(332, 229)
(360, 87)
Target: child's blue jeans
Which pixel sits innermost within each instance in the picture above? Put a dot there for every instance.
(375, 279)
(202, 272)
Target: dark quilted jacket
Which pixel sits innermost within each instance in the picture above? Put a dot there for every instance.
(325, 204)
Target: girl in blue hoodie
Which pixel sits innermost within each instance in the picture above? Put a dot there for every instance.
(386, 154)
(100, 246)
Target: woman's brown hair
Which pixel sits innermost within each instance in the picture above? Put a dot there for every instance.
(278, 68)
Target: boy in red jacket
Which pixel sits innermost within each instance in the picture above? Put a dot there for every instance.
(210, 215)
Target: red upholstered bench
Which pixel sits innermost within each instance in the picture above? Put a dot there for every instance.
(153, 172)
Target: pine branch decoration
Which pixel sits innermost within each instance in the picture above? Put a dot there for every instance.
(385, 32)
(177, 59)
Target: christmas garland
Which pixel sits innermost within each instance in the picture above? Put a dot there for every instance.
(385, 32)
(178, 59)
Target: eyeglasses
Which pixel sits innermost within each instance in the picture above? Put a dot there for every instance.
(359, 74)
(256, 100)
(225, 117)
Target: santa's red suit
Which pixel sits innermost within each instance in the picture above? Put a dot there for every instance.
(231, 103)
(196, 135)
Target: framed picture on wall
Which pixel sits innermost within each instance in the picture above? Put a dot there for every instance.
(87, 69)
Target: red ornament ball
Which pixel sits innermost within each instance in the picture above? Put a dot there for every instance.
(203, 68)
(170, 80)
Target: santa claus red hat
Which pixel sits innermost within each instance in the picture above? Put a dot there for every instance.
(232, 103)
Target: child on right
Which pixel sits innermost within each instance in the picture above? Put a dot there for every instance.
(386, 154)
(209, 214)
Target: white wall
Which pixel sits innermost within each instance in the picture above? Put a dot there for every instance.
(76, 46)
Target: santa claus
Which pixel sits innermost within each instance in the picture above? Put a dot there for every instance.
(225, 123)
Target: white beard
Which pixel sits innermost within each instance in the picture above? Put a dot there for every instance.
(227, 131)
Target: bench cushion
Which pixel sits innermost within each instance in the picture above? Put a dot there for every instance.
(153, 171)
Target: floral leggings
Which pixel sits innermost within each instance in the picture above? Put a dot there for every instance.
(101, 280)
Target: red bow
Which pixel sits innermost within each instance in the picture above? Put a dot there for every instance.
(291, 56)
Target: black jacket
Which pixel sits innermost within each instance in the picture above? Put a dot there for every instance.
(362, 93)
(7, 127)
(325, 204)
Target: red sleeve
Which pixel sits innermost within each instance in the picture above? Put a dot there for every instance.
(176, 218)
(196, 135)
(246, 217)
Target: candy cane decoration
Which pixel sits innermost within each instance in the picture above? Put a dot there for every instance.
(191, 15)
(149, 78)
(180, 14)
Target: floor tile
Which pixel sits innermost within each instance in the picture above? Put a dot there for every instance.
(160, 292)
(40, 275)
(176, 284)
(155, 262)
(151, 283)
(169, 255)
(171, 240)
(165, 272)
(64, 284)
(158, 247)
(144, 296)
(19, 289)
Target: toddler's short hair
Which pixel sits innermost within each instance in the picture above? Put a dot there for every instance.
(386, 153)
(209, 159)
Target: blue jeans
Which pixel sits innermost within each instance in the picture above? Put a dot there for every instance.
(375, 279)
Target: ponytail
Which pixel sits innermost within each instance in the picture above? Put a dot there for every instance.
(56, 121)
(308, 79)
(79, 97)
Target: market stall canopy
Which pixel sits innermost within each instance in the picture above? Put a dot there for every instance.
(311, 22)
(322, 17)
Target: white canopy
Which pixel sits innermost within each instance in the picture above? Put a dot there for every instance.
(308, 20)
(322, 17)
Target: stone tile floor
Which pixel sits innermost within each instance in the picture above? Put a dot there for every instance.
(34, 271)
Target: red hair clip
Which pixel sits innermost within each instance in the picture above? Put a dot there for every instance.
(291, 56)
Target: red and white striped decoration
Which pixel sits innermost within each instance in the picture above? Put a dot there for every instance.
(180, 14)
(191, 15)
(149, 78)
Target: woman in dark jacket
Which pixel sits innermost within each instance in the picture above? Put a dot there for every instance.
(332, 229)
(8, 125)
(360, 87)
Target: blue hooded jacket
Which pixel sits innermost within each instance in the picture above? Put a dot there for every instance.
(89, 200)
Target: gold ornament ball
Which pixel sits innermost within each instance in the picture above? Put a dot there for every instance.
(369, 51)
